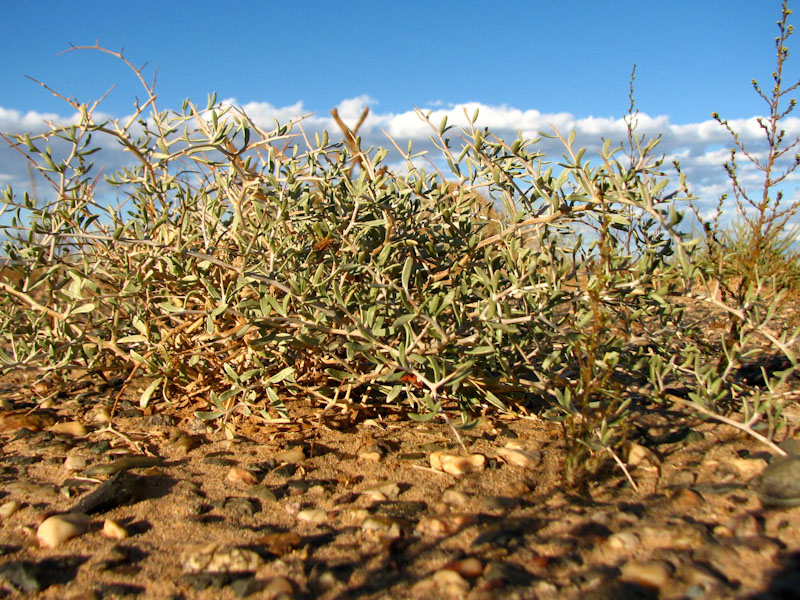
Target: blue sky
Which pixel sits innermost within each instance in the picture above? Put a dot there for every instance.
(525, 64)
(553, 56)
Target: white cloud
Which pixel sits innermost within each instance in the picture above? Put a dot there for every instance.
(701, 148)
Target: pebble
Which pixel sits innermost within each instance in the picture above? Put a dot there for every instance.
(514, 454)
(653, 575)
(639, 455)
(58, 529)
(72, 428)
(685, 498)
(183, 443)
(244, 586)
(122, 488)
(113, 530)
(24, 576)
(241, 507)
(445, 583)
(749, 467)
(387, 525)
(745, 526)
(451, 583)
(9, 508)
(623, 541)
(262, 492)
(75, 463)
(469, 567)
(239, 475)
(455, 464)
(102, 415)
(214, 558)
(312, 515)
(780, 483)
(448, 524)
(290, 456)
(682, 479)
(677, 537)
(14, 421)
(278, 588)
(455, 498)
(370, 456)
(384, 490)
(279, 543)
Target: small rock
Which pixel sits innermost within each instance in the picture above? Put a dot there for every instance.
(681, 479)
(749, 467)
(241, 507)
(263, 492)
(780, 483)
(623, 541)
(113, 530)
(455, 464)
(312, 515)
(101, 415)
(278, 588)
(683, 538)
(123, 488)
(685, 498)
(9, 508)
(722, 531)
(745, 526)
(214, 558)
(16, 420)
(57, 529)
(279, 543)
(469, 567)
(290, 456)
(514, 455)
(244, 586)
(239, 475)
(386, 525)
(450, 583)
(370, 456)
(652, 575)
(639, 455)
(75, 463)
(73, 428)
(440, 525)
(183, 443)
(23, 576)
(385, 490)
(455, 498)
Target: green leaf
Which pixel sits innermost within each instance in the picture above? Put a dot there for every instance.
(208, 415)
(85, 308)
(132, 339)
(406, 272)
(421, 418)
(144, 400)
(281, 375)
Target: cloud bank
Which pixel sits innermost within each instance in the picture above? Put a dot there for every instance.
(701, 148)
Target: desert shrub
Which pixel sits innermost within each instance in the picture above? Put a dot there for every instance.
(244, 267)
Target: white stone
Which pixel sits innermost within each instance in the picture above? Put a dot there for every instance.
(58, 529)
(9, 508)
(75, 463)
(113, 530)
